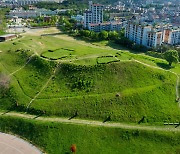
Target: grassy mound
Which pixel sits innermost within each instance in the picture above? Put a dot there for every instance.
(124, 91)
(57, 138)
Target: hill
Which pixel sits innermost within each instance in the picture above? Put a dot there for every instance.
(50, 75)
(123, 91)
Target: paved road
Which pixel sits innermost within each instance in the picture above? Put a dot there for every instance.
(10, 144)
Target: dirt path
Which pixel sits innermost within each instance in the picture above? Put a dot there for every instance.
(93, 123)
(177, 81)
(45, 85)
(29, 59)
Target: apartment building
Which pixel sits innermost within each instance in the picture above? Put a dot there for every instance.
(172, 36)
(28, 2)
(154, 38)
(143, 34)
(107, 26)
(87, 18)
(31, 13)
(93, 19)
(94, 15)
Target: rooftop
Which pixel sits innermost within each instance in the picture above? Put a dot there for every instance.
(7, 35)
(97, 5)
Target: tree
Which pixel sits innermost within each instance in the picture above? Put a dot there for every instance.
(171, 56)
(113, 35)
(94, 36)
(103, 35)
(87, 33)
(3, 22)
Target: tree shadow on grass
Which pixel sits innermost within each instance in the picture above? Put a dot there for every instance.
(116, 46)
(164, 66)
(39, 115)
(52, 34)
(78, 38)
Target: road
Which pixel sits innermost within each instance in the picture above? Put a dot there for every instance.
(10, 144)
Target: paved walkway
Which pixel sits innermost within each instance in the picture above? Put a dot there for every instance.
(10, 144)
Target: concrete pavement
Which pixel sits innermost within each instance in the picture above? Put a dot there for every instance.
(10, 144)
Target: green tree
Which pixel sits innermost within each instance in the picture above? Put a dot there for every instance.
(87, 33)
(3, 25)
(103, 35)
(94, 36)
(113, 35)
(171, 56)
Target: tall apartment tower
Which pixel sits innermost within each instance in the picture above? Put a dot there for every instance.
(94, 15)
(87, 18)
(144, 34)
(137, 33)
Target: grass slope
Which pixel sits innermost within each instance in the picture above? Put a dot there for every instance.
(125, 91)
(55, 138)
(92, 93)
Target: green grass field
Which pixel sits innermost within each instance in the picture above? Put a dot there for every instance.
(106, 60)
(55, 138)
(126, 91)
(67, 77)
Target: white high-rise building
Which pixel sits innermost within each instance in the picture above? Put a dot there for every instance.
(143, 34)
(97, 12)
(94, 15)
(87, 18)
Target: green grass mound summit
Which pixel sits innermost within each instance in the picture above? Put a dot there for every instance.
(57, 54)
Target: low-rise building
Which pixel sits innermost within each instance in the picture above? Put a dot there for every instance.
(7, 37)
(78, 18)
(31, 13)
(28, 2)
(107, 26)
